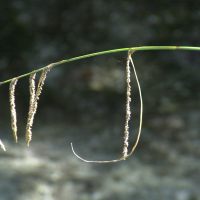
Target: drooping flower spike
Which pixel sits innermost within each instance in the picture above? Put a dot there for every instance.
(128, 115)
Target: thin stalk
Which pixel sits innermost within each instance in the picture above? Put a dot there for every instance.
(144, 48)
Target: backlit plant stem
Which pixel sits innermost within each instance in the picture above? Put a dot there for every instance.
(144, 48)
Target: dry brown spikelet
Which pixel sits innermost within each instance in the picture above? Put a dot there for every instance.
(128, 110)
(33, 101)
(12, 107)
(32, 108)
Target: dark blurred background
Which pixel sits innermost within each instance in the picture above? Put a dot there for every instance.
(84, 101)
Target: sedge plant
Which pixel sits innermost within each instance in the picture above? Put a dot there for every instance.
(35, 93)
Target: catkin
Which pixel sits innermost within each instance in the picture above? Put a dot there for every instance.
(32, 108)
(12, 108)
(33, 101)
(128, 111)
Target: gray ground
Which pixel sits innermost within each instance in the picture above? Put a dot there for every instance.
(160, 168)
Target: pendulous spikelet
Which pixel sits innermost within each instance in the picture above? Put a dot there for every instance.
(32, 108)
(34, 96)
(12, 107)
(128, 111)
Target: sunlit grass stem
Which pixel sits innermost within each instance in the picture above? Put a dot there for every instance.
(144, 48)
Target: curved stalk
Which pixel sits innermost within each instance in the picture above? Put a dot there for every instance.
(131, 49)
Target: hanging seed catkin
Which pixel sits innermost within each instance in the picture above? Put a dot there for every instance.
(32, 108)
(12, 108)
(34, 97)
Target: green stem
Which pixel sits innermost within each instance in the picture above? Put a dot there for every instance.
(107, 52)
